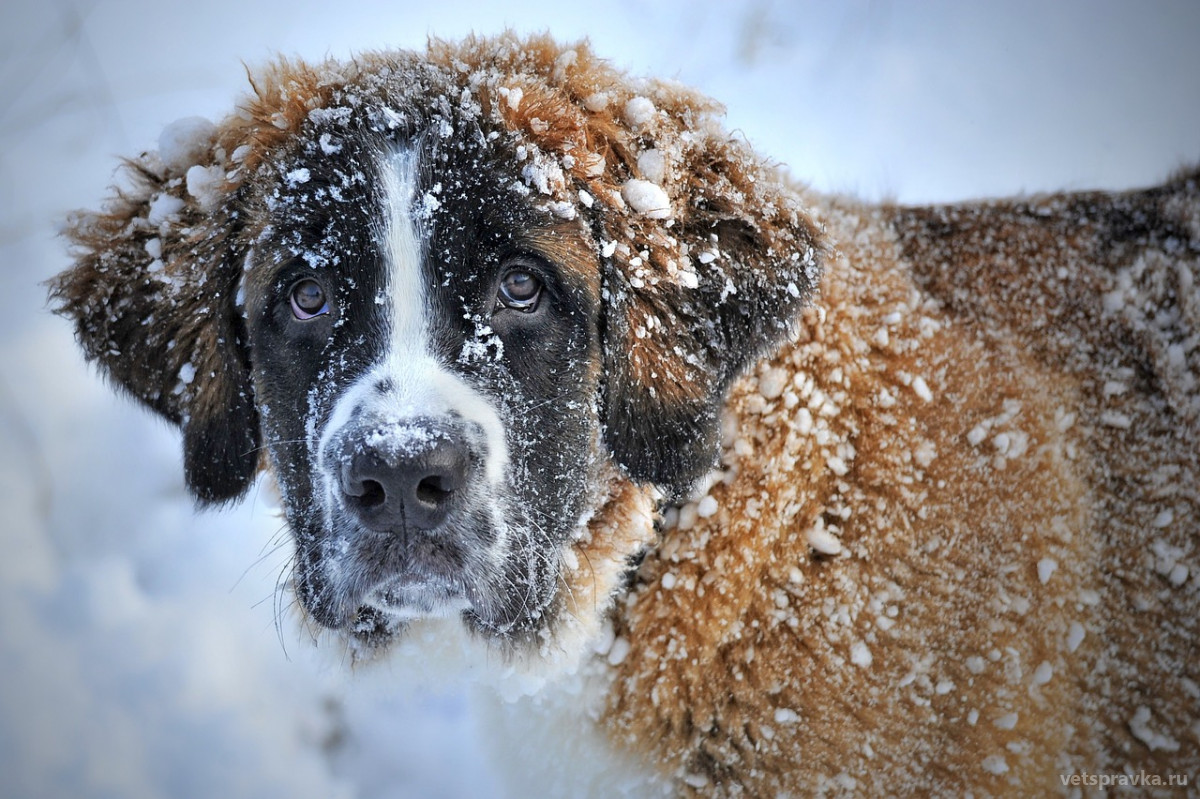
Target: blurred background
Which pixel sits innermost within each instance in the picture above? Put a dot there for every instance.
(139, 655)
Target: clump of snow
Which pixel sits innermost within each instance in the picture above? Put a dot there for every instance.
(298, 177)
(561, 209)
(1074, 636)
(596, 102)
(706, 507)
(995, 764)
(772, 382)
(1006, 722)
(163, 208)
(653, 166)
(512, 96)
(327, 143)
(185, 143)
(647, 198)
(822, 540)
(1139, 725)
(1045, 568)
(204, 183)
(860, 655)
(1178, 575)
(619, 651)
(1043, 673)
(786, 715)
(924, 454)
(638, 112)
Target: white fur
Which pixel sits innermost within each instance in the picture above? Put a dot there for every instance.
(421, 388)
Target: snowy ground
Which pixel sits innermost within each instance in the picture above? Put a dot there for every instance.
(138, 648)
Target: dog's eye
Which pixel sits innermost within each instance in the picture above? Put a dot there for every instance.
(308, 299)
(520, 290)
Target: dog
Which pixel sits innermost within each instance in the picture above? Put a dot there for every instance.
(819, 497)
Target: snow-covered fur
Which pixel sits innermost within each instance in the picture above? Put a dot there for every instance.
(925, 522)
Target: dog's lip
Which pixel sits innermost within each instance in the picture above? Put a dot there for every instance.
(417, 593)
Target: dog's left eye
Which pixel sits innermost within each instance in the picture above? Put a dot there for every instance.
(308, 300)
(520, 290)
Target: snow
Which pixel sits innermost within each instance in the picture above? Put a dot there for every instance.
(1043, 673)
(639, 111)
(298, 177)
(653, 166)
(1139, 725)
(1075, 635)
(185, 143)
(860, 655)
(785, 715)
(995, 764)
(619, 651)
(1045, 568)
(204, 183)
(922, 389)
(822, 540)
(647, 198)
(138, 640)
(164, 208)
(1006, 722)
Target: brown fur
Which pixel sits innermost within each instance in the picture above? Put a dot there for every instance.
(1001, 312)
(977, 392)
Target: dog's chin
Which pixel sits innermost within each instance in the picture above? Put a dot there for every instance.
(411, 596)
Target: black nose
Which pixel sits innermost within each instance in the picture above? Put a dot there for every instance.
(416, 485)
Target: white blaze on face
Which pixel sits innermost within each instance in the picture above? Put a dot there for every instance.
(419, 387)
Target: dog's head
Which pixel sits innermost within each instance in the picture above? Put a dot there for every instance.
(449, 295)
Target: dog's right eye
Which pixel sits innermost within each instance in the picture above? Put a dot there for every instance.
(308, 300)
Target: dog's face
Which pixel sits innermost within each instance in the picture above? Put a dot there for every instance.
(450, 296)
(424, 346)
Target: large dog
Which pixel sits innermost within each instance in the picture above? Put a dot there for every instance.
(820, 497)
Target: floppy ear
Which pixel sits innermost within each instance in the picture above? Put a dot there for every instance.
(153, 297)
(674, 344)
(708, 262)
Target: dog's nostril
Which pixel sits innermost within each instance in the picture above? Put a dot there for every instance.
(433, 490)
(373, 494)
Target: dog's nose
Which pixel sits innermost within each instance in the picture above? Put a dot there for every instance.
(411, 486)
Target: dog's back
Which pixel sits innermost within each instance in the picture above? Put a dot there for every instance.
(953, 546)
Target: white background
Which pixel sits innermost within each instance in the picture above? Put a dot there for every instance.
(138, 648)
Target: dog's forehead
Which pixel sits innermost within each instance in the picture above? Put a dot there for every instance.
(328, 203)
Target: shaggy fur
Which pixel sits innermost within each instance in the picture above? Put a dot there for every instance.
(949, 543)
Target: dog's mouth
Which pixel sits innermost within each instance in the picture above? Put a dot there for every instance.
(415, 594)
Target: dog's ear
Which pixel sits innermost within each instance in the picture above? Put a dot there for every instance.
(708, 259)
(692, 306)
(153, 294)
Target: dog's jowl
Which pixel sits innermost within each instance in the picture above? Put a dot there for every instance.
(814, 497)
